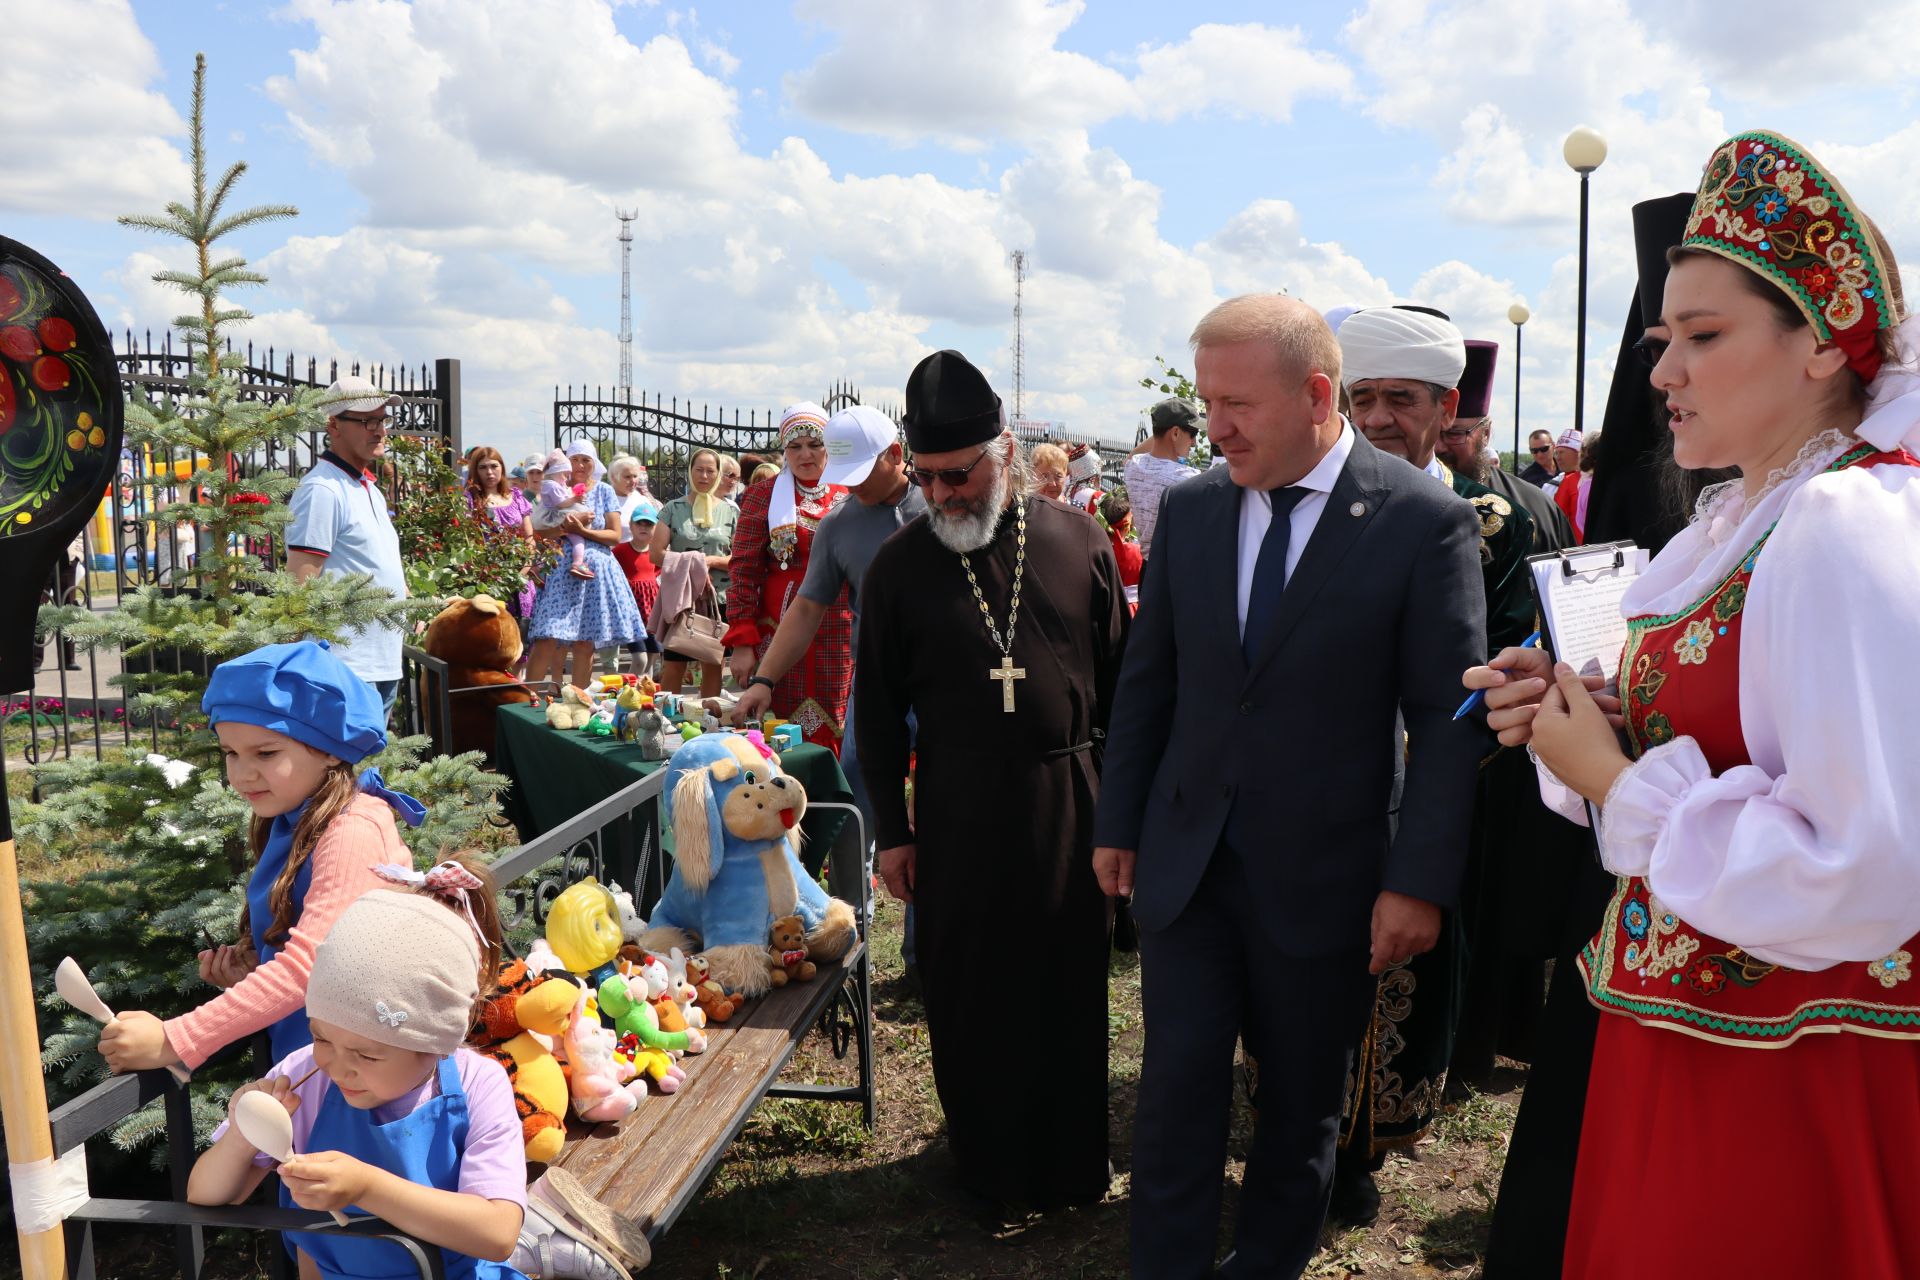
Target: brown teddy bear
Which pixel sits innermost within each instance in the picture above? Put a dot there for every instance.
(787, 957)
(480, 643)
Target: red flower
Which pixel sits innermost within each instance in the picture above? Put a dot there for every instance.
(7, 402)
(56, 333)
(50, 373)
(18, 343)
(1706, 976)
(10, 300)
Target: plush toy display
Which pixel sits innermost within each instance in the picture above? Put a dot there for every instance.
(583, 928)
(734, 817)
(480, 643)
(529, 1002)
(787, 957)
(571, 710)
(602, 1087)
(625, 1001)
(681, 989)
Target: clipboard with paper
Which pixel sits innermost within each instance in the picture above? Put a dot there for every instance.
(1578, 592)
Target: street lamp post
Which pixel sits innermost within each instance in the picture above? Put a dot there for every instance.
(1584, 151)
(1518, 315)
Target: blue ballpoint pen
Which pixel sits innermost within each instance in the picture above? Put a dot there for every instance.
(1479, 696)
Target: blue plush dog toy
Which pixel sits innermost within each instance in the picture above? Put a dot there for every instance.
(735, 819)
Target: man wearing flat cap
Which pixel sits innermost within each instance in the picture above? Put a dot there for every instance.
(341, 524)
(998, 619)
(1160, 462)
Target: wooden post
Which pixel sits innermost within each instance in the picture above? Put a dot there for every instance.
(23, 1090)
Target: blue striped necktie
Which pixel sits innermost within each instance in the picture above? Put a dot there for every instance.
(1270, 571)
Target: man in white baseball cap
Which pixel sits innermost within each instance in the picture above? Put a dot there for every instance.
(341, 524)
(865, 454)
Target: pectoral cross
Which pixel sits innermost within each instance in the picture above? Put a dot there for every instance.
(1006, 675)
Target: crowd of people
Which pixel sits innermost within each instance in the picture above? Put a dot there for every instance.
(1220, 705)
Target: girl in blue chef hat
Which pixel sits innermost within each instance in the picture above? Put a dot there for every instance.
(293, 722)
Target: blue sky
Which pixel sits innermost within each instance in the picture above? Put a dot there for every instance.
(829, 188)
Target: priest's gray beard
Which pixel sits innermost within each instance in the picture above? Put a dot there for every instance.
(1484, 466)
(972, 525)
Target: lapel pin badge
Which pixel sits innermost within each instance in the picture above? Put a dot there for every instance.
(1357, 509)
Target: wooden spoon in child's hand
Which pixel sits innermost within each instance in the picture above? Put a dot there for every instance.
(265, 1122)
(72, 984)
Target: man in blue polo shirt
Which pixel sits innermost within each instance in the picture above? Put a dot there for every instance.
(341, 525)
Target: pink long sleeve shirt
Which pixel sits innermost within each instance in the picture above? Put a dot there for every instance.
(343, 861)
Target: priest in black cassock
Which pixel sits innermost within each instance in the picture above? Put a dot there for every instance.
(998, 619)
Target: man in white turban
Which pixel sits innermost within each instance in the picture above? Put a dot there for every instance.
(1401, 370)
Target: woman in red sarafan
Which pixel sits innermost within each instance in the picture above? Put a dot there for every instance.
(770, 546)
(1755, 1096)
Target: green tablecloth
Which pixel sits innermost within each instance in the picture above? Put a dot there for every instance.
(559, 774)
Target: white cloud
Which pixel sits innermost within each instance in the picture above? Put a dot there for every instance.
(1247, 70)
(1264, 249)
(965, 75)
(86, 136)
(958, 73)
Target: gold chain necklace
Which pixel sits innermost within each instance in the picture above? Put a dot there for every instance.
(1006, 673)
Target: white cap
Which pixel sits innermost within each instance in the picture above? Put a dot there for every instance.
(1398, 342)
(362, 396)
(1569, 439)
(856, 437)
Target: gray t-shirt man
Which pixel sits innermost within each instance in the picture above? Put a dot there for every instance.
(845, 544)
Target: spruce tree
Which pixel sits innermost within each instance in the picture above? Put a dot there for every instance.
(174, 848)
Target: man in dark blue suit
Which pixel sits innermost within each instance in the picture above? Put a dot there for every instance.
(1298, 600)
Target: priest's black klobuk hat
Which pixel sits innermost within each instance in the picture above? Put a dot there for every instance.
(949, 405)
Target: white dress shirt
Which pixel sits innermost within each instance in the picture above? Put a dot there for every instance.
(1256, 514)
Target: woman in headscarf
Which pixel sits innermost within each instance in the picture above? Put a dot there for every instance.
(699, 521)
(1756, 1075)
(584, 613)
(777, 521)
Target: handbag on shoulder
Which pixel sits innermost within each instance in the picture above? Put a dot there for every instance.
(697, 633)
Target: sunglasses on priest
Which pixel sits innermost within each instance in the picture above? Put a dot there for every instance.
(952, 477)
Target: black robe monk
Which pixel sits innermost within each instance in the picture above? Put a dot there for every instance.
(1010, 919)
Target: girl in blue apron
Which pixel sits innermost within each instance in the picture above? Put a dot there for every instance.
(294, 723)
(391, 1115)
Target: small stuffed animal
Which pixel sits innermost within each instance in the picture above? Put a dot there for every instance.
(652, 970)
(480, 643)
(649, 728)
(571, 710)
(628, 702)
(600, 723)
(712, 998)
(525, 1003)
(625, 1001)
(602, 1088)
(787, 957)
(682, 990)
(631, 925)
(583, 929)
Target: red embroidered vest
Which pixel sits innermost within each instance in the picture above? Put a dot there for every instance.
(1681, 676)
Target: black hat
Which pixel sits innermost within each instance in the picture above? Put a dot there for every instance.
(949, 405)
(1634, 451)
(1174, 412)
(1476, 384)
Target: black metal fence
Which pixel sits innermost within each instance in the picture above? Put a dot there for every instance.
(664, 434)
(74, 704)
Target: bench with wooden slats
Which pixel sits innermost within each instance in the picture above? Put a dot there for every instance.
(650, 1166)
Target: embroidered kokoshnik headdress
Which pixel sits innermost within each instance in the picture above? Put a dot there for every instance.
(1768, 205)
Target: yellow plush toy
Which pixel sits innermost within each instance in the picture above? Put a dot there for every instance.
(527, 1003)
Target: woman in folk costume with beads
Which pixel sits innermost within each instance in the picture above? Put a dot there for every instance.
(771, 542)
(1755, 1092)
